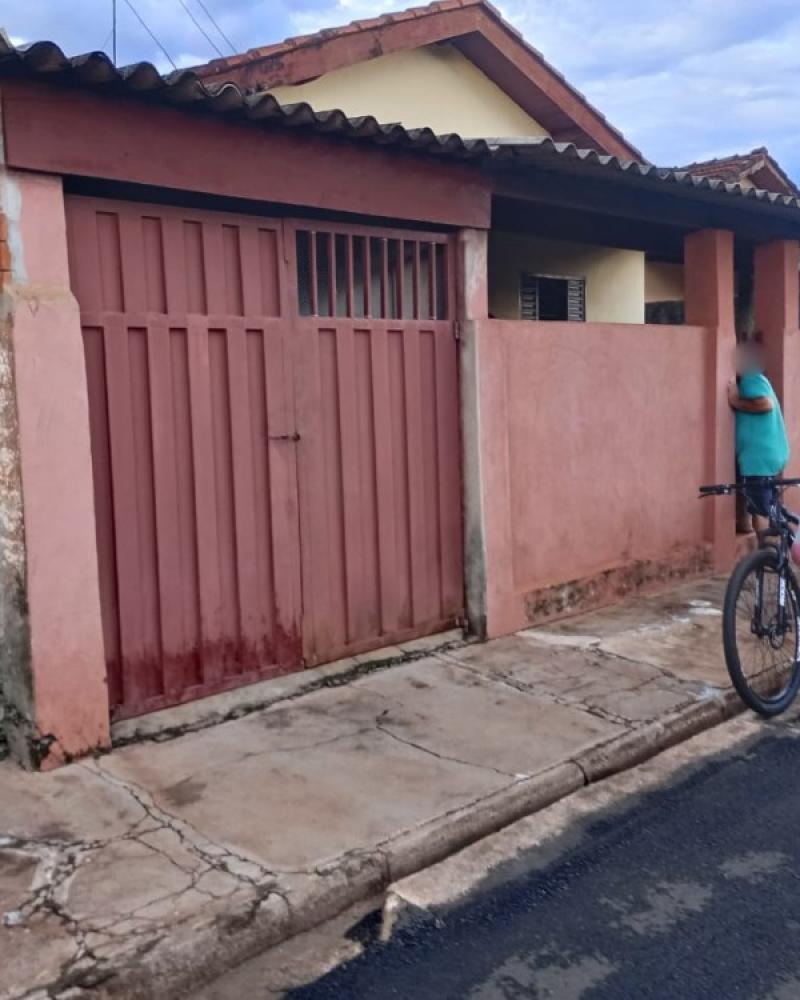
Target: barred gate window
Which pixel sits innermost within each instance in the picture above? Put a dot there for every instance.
(546, 297)
(374, 277)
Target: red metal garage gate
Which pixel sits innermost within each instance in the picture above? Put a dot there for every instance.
(274, 420)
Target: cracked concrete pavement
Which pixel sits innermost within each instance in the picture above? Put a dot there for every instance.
(149, 870)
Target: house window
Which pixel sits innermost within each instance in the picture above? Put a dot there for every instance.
(546, 297)
(668, 312)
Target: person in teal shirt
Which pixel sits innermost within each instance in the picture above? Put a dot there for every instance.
(762, 448)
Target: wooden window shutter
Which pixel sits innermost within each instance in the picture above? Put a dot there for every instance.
(528, 297)
(576, 300)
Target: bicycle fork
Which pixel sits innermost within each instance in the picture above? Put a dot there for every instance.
(777, 629)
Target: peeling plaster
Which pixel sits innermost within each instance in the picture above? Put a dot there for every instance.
(16, 692)
(16, 686)
(11, 207)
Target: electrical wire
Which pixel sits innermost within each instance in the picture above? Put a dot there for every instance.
(201, 29)
(208, 14)
(143, 23)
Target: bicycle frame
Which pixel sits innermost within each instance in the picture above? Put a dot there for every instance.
(780, 519)
(782, 526)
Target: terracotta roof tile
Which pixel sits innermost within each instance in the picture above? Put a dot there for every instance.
(741, 167)
(217, 66)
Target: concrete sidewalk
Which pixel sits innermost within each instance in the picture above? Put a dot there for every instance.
(182, 853)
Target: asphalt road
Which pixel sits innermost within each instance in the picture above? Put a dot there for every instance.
(691, 891)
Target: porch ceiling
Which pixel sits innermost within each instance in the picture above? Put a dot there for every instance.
(577, 225)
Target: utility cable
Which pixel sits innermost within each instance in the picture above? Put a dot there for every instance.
(143, 23)
(201, 29)
(222, 33)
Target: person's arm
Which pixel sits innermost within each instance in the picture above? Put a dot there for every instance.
(754, 404)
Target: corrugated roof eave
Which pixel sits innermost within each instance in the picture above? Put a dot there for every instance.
(95, 70)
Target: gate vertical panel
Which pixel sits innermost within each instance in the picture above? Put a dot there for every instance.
(332, 507)
(355, 510)
(399, 456)
(94, 350)
(314, 551)
(126, 516)
(448, 439)
(244, 497)
(367, 525)
(186, 583)
(205, 498)
(415, 472)
(390, 583)
(278, 291)
(168, 536)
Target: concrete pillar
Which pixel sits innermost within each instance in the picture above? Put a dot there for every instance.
(473, 306)
(776, 308)
(52, 661)
(709, 301)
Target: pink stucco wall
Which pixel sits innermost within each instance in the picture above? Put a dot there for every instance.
(593, 443)
(67, 659)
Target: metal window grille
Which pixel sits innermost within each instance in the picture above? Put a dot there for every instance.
(529, 297)
(347, 274)
(576, 300)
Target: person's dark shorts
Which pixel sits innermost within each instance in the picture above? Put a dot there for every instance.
(759, 496)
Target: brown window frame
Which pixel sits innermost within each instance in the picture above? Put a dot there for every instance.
(529, 296)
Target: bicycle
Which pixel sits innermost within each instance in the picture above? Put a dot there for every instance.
(761, 612)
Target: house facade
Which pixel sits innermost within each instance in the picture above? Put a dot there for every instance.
(283, 383)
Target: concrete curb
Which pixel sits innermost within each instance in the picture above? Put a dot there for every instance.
(639, 744)
(409, 852)
(429, 896)
(250, 923)
(617, 755)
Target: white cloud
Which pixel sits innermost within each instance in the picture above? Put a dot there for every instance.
(685, 81)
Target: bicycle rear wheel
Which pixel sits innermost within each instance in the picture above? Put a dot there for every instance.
(760, 633)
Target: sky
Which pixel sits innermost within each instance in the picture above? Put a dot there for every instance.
(684, 80)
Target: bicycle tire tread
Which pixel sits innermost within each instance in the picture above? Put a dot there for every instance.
(767, 707)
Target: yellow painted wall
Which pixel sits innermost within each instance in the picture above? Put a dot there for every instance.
(434, 85)
(663, 282)
(614, 278)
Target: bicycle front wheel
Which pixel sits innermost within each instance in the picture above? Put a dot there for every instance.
(760, 633)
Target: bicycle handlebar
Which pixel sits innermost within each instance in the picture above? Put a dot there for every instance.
(725, 489)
